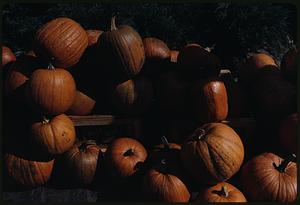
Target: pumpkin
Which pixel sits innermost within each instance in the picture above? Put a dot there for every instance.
(81, 161)
(54, 136)
(210, 100)
(62, 39)
(82, 105)
(132, 96)
(196, 62)
(212, 153)
(288, 65)
(163, 181)
(252, 64)
(28, 172)
(288, 133)
(19, 72)
(268, 177)
(238, 102)
(51, 90)
(124, 157)
(93, 36)
(155, 49)
(221, 192)
(7, 56)
(122, 52)
(174, 56)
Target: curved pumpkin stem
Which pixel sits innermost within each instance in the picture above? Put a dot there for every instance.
(86, 143)
(45, 120)
(281, 167)
(222, 192)
(129, 152)
(113, 23)
(199, 133)
(165, 142)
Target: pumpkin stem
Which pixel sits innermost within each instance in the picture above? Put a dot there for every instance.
(163, 161)
(165, 142)
(199, 133)
(113, 24)
(45, 120)
(86, 143)
(129, 152)
(222, 192)
(281, 167)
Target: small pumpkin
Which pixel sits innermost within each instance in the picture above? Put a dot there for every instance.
(155, 49)
(54, 136)
(82, 105)
(7, 56)
(164, 180)
(288, 65)
(212, 153)
(28, 172)
(62, 39)
(268, 177)
(81, 161)
(124, 157)
(221, 192)
(174, 56)
(288, 133)
(93, 36)
(122, 52)
(52, 90)
(197, 63)
(210, 101)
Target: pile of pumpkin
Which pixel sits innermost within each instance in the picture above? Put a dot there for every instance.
(80, 72)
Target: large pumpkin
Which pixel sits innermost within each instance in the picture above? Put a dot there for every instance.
(82, 105)
(268, 177)
(213, 153)
(62, 39)
(221, 192)
(196, 62)
(288, 65)
(54, 136)
(28, 172)
(51, 90)
(81, 161)
(124, 157)
(122, 52)
(93, 36)
(164, 180)
(288, 133)
(210, 101)
(7, 56)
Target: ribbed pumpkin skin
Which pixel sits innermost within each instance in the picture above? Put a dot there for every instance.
(261, 181)
(26, 172)
(93, 36)
(288, 133)
(210, 103)
(213, 194)
(216, 156)
(55, 136)
(155, 49)
(52, 90)
(82, 105)
(122, 51)
(62, 39)
(7, 56)
(81, 163)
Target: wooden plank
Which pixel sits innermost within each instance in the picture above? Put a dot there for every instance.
(90, 120)
(240, 122)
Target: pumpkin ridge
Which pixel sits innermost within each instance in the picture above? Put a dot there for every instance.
(128, 59)
(41, 173)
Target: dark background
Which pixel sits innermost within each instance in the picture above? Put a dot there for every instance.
(235, 29)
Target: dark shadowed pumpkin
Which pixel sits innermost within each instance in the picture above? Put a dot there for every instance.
(62, 39)
(210, 101)
(155, 49)
(28, 172)
(268, 177)
(221, 192)
(7, 56)
(81, 161)
(213, 153)
(124, 157)
(164, 180)
(288, 66)
(82, 105)
(51, 90)
(122, 52)
(288, 133)
(93, 36)
(54, 136)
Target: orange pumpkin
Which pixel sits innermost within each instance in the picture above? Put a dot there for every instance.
(93, 36)
(7, 56)
(82, 105)
(174, 56)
